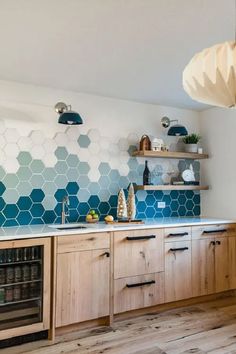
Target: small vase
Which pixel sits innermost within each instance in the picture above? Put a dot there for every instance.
(191, 148)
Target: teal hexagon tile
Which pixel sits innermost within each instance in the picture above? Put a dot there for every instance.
(133, 163)
(196, 166)
(83, 195)
(11, 195)
(10, 180)
(49, 202)
(10, 211)
(49, 174)
(61, 181)
(123, 182)
(61, 153)
(104, 194)
(24, 173)
(61, 167)
(83, 181)
(114, 175)
(49, 188)
(36, 181)
(24, 188)
(72, 174)
(182, 165)
(24, 203)
(24, 158)
(104, 168)
(93, 188)
(83, 141)
(103, 181)
(141, 195)
(37, 166)
(72, 160)
(114, 188)
(83, 168)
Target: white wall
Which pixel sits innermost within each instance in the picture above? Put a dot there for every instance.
(33, 107)
(218, 129)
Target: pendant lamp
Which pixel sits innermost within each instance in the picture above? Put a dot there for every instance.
(210, 77)
(66, 115)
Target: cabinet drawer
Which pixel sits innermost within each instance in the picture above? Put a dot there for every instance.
(208, 231)
(138, 252)
(177, 234)
(138, 292)
(83, 242)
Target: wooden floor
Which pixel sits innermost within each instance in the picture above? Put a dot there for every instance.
(204, 328)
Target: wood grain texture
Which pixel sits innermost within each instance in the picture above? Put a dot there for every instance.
(170, 187)
(178, 277)
(170, 154)
(127, 299)
(82, 291)
(201, 328)
(136, 257)
(203, 267)
(83, 242)
(221, 230)
(174, 234)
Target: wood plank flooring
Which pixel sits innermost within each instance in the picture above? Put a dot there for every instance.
(203, 328)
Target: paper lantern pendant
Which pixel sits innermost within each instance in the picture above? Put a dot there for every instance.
(210, 77)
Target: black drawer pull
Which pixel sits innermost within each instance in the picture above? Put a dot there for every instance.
(214, 231)
(212, 243)
(140, 284)
(218, 243)
(178, 234)
(178, 249)
(137, 238)
(107, 254)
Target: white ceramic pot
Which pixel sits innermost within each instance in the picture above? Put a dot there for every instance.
(191, 147)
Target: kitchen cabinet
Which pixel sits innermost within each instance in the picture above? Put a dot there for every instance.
(82, 286)
(178, 278)
(138, 292)
(213, 259)
(203, 265)
(138, 252)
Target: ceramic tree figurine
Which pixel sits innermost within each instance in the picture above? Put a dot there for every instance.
(131, 207)
(121, 207)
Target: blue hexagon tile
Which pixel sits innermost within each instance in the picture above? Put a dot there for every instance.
(36, 172)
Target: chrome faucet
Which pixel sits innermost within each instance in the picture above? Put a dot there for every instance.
(65, 210)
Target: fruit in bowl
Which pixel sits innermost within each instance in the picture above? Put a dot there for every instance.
(109, 219)
(92, 217)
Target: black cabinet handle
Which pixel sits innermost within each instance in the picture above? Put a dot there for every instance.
(107, 254)
(140, 284)
(137, 238)
(178, 234)
(178, 249)
(212, 243)
(214, 231)
(218, 243)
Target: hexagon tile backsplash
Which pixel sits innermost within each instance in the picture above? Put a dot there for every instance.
(36, 172)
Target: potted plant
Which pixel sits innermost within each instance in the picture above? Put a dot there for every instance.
(191, 142)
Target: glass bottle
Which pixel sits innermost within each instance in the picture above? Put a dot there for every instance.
(146, 175)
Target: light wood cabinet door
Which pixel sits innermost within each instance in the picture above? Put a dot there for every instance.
(138, 252)
(222, 266)
(232, 262)
(82, 290)
(203, 266)
(178, 283)
(138, 292)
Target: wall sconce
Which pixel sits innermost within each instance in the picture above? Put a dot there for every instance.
(175, 130)
(66, 115)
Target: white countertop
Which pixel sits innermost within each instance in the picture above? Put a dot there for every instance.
(23, 232)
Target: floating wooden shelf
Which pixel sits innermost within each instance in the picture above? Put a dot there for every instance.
(169, 154)
(170, 187)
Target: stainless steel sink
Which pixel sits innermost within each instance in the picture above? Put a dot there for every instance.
(68, 226)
